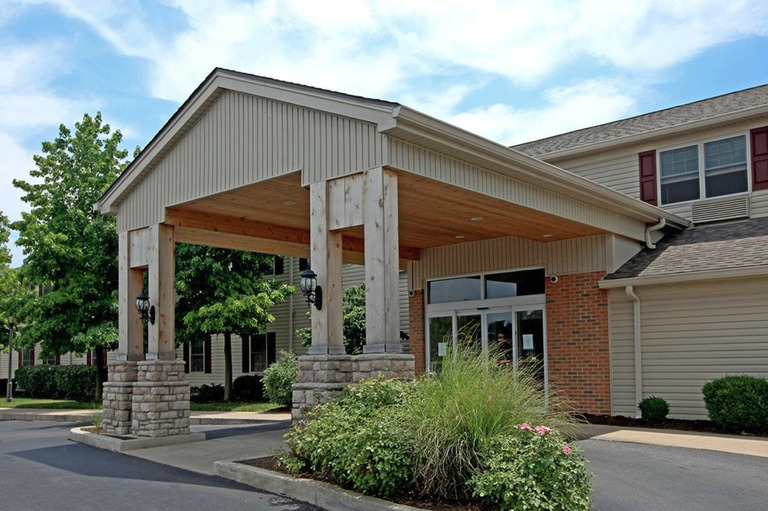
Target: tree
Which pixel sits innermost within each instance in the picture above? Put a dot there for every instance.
(69, 248)
(222, 291)
(354, 322)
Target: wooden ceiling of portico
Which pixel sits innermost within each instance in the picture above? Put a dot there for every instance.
(431, 214)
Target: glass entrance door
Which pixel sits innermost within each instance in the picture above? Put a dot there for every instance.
(517, 334)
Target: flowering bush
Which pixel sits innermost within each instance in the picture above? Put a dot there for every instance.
(279, 378)
(533, 469)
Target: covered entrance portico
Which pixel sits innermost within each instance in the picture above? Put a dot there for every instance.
(263, 165)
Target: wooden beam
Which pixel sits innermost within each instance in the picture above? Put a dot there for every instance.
(130, 284)
(161, 290)
(220, 230)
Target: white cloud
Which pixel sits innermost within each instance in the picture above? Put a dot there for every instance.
(567, 109)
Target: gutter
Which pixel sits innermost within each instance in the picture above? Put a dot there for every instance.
(638, 347)
(674, 278)
(652, 228)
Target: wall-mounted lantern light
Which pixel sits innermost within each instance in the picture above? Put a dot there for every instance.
(309, 288)
(146, 311)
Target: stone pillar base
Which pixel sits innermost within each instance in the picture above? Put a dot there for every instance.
(321, 377)
(160, 399)
(388, 365)
(118, 397)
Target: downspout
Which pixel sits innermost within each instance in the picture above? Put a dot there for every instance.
(638, 347)
(652, 228)
(290, 305)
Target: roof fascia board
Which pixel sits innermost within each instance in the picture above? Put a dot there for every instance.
(649, 136)
(223, 79)
(676, 278)
(529, 169)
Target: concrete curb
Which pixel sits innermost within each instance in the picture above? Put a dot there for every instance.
(111, 443)
(316, 493)
(51, 417)
(214, 421)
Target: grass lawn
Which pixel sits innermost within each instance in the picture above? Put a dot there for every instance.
(58, 404)
(232, 407)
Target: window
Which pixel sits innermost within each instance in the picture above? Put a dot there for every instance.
(197, 356)
(481, 287)
(27, 357)
(262, 351)
(303, 264)
(711, 169)
(278, 267)
(51, 361)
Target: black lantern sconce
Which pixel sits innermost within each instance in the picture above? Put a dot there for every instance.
(309, 288)
(146, 311)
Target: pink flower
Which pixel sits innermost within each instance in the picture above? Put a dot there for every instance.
(525, 426)
(566, 449)
(543, 430)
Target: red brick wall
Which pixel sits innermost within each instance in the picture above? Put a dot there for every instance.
(577, 341)
(416, 329)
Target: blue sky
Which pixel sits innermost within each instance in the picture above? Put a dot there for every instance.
(511, 71)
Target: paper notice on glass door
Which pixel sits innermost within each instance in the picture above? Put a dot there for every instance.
(527, 341)
(441, 349)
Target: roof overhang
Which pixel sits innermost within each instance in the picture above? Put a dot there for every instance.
(678, 278)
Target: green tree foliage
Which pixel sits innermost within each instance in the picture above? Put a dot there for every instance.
(354, 322)
(222, 291)
(69, 248)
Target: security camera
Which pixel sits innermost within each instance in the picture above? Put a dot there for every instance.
(411, 293)
(553, 279)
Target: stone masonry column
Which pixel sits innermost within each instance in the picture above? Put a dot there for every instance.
(160, 399)
(118, 398)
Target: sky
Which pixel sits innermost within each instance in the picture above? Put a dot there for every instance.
(511, 71)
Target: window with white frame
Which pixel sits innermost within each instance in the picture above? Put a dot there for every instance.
(197, 356)
(27, 356)
(710, 169)
(262, 351)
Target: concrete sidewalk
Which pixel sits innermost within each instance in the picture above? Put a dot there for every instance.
(196, 418)
(734, 444)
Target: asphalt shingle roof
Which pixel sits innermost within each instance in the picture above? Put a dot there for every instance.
(667, 118)
(705, 248)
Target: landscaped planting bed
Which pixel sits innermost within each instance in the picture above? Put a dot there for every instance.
(478, 435)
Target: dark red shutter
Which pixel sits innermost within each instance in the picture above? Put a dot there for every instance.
(186, 357)
(271, 355)
(246, 354)
(32, 356)
(58, 360)
(208, 354)
(21, 359)
(759, 140)
(88, 359)
(647, 162)
(104, 357)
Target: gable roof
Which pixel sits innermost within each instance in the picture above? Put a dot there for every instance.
(736, 105)
(737, 246)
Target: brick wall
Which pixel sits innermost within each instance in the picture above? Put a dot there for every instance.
(577, 341)
(416, 329)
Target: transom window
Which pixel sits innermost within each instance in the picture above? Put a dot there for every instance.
(724, 170)
(481, 287)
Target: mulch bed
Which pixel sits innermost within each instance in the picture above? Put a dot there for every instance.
(700, 426)
(269, 463)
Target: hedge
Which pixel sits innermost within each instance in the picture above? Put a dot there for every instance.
(77, 383)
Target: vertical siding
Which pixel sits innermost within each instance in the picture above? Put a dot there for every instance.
(622, 352)
(691, 333)
(577, 255)
(243, 139)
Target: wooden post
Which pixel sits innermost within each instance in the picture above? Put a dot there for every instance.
(381, 262)
(161, 291)
(326, 261)
(130, 283)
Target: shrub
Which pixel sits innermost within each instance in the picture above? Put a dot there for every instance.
(248, 388)
(279, 378)
(359, 440)
(533, 469)
(738, 403)
(207, 393)
(654, 409)
(77, 383)
(475, 399)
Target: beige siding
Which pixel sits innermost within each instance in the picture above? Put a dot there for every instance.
(618, 169)
(691, 334)
(244, 139)
(622, 354)
(557, 257)
(406, 156)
